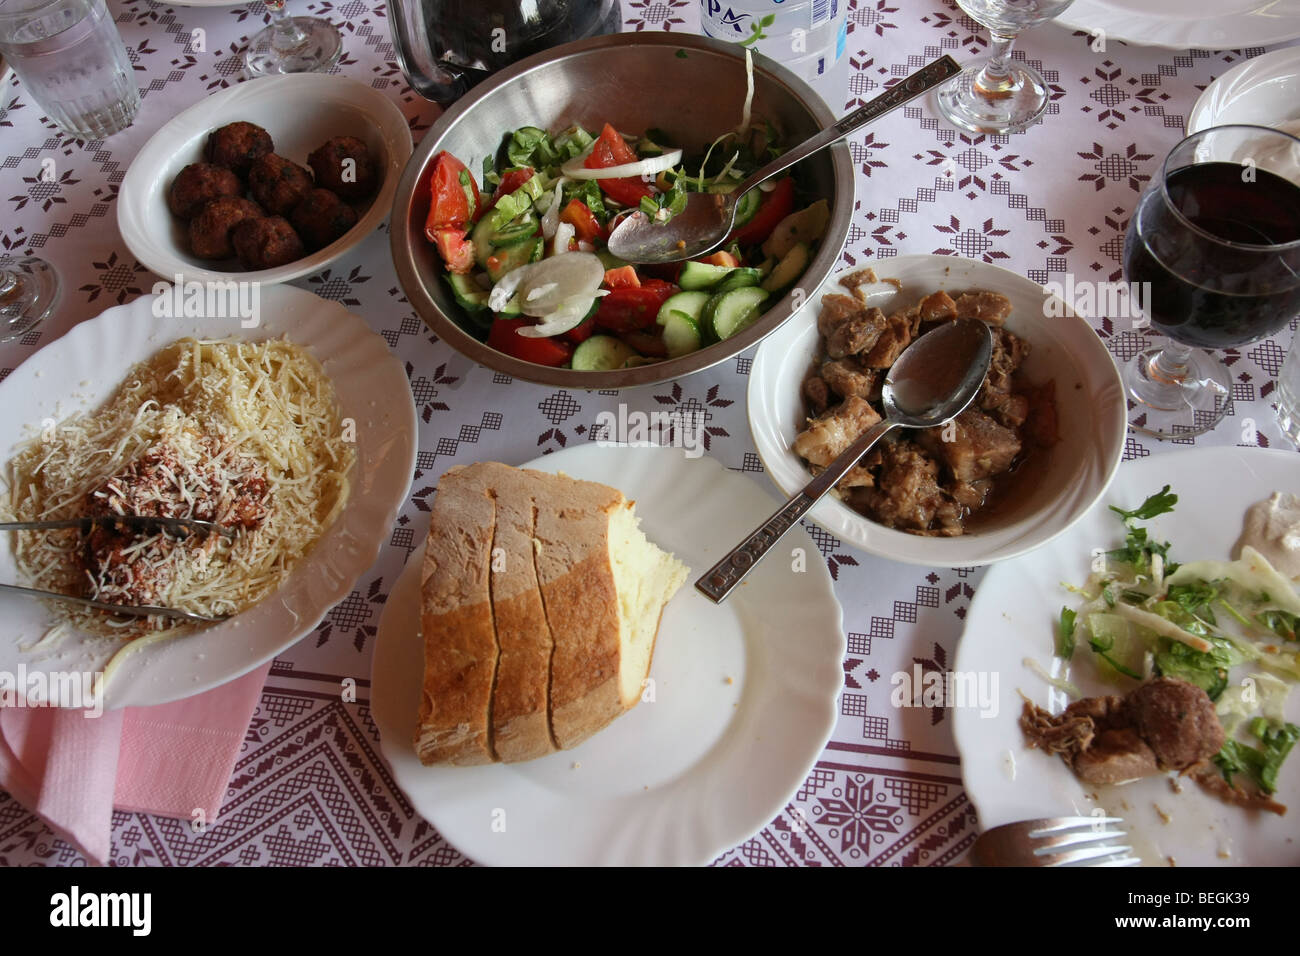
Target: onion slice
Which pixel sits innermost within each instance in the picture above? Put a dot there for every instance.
(649, 166)
(569, 315)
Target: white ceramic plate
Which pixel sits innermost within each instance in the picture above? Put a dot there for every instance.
(1180, 24)
(1264, 91)
(1012, 618)
(81, 369)
(678, 780)
(300, 111)
(1089, 396)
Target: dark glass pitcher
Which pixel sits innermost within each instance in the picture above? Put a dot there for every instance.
(447, 46)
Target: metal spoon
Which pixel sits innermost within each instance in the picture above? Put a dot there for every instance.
(707, 219)
(933, 381)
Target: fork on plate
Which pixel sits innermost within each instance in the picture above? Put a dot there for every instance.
(1054, 841)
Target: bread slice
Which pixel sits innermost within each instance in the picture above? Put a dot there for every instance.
(521, 727)
(604, 587)
(542, 599)
(460, 645)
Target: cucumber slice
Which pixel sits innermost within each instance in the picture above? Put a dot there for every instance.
(746, 206)
(467, 293)
(517, 230)
(701, 275)
(601, 353)
(511, 258)
(690, 303)
(739, 278)
(789, 269)
(681, 334)
(730, 312)
(514, 308)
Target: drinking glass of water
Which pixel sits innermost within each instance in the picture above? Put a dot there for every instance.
(69, 57)
(997, 94)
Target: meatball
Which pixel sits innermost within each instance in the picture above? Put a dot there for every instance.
(236, 145)
(210, 229)
(343, 165)
(266, 243)
(278, 184)
(198, 184)
(1177, 719)
(321, 218)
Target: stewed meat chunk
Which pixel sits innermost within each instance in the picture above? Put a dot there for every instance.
(937, 307)
(990, 307)
(847, 379)
(973, 446)
(907, 493)
(848, 326)
(889, 346)
(829, 434)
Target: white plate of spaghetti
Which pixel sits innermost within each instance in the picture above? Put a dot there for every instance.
(295, 435)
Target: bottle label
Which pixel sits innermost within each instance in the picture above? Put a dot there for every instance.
(768, 25)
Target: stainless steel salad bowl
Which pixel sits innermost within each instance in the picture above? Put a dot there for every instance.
(692, 86)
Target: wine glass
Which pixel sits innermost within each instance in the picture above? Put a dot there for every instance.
(1212, 254)
(293, 44)
(998, 95)
(29, 288)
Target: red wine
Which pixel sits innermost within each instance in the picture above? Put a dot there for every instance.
(1202, 292)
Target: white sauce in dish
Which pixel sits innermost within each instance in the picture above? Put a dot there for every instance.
(1272, 528)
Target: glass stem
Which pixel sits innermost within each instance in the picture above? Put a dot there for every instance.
(286, 36)
(995, 80)
(8, 282)
(1169, 367)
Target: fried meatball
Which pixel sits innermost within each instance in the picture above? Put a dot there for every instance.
(353, 181)
(198, 184)
(278, 184)
(210, 229)
(236, 145)
(1178, 720)
(321, 218)
(266, 243)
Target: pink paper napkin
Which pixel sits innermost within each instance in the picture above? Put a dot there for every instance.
(169, 760)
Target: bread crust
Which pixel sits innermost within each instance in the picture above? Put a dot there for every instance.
(460, 645)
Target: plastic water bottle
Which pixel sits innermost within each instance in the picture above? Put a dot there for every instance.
(806, 36)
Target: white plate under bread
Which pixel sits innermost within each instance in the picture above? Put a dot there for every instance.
(740, 700)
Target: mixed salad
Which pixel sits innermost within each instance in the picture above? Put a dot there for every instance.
(1146, 616)
(525, 251)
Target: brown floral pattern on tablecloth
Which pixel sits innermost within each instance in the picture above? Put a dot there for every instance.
(310, 787)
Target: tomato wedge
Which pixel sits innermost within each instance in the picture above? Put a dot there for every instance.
(583, 220)
(455, 250)
(511, 181)
(622, 277)
(778, 204)
(610, 149)
(504, 337)
(453, 196)
(629, 309)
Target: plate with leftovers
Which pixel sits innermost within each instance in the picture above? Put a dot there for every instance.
(1038, 445)
(522, 663)
(1163, 626)
(295, 435)
(526, 255)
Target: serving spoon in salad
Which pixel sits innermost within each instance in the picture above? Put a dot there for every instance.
(933, 381)
(707, 219)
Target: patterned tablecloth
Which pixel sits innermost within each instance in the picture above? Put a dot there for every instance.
(310, 786)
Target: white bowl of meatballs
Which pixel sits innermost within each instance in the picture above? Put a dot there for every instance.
(265, 181)
(1035, 450)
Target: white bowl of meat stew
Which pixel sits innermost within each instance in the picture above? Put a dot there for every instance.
(1037, 448)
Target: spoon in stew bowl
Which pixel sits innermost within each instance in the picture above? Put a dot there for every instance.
(932, 382)
(707, 219)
